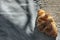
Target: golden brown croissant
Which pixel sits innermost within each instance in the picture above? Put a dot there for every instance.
(46, 23)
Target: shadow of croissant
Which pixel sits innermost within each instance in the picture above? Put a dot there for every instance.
(9, 31)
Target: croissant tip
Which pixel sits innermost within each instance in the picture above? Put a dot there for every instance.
(48, 22)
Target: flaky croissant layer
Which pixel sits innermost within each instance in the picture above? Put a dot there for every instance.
(46, 23)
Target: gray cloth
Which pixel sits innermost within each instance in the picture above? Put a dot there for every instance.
(17, 21)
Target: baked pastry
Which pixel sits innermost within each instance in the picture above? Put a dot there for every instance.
(46, 23)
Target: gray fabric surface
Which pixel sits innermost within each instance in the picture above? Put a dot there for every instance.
(17, 21)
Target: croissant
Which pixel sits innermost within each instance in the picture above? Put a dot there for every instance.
(46, 23)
